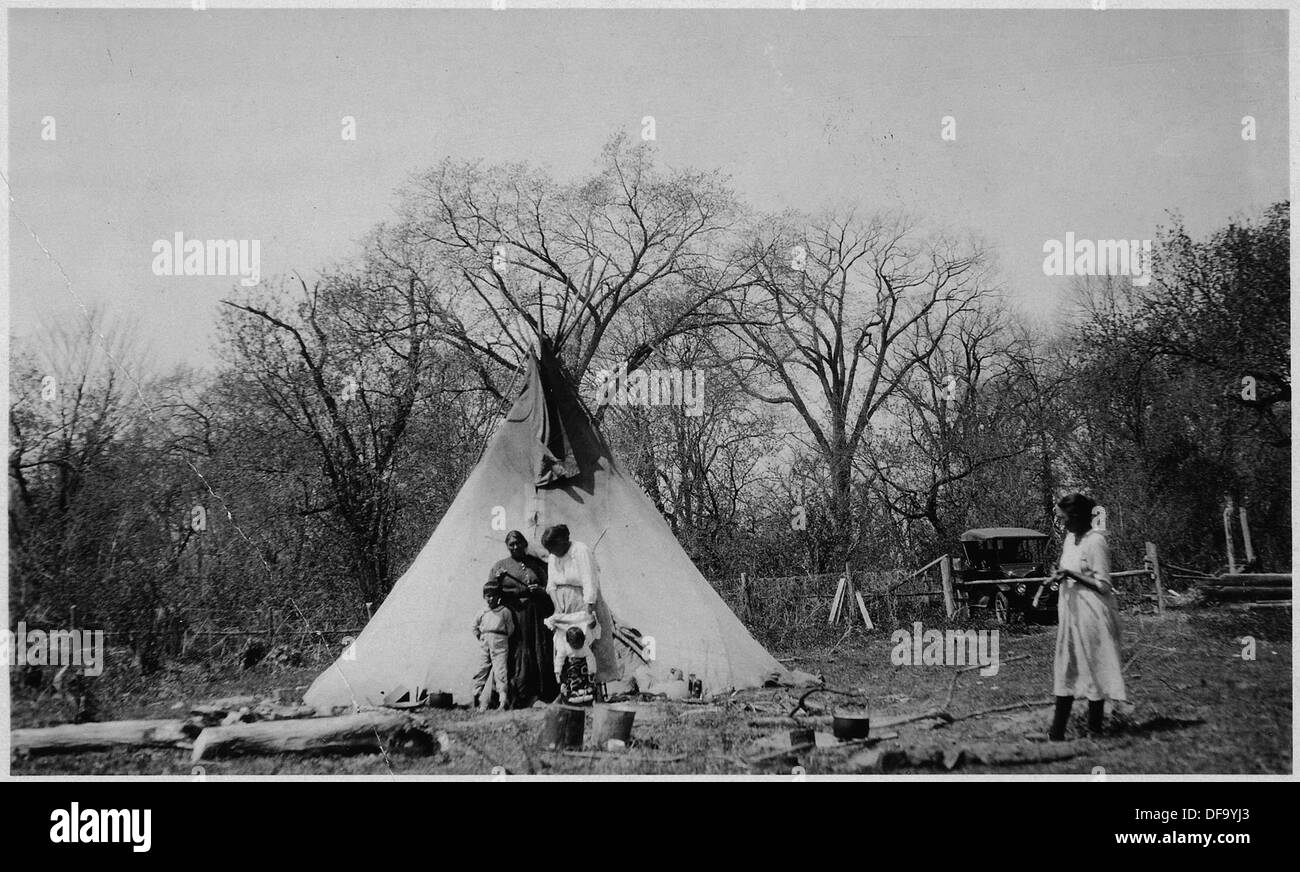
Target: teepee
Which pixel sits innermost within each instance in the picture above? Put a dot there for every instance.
(545, 464)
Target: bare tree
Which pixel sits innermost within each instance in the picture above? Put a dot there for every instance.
(517, 253)
(967, 406)
(842, 311)
(342, 371)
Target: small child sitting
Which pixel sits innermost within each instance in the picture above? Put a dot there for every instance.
(574, 667)
(493, 628)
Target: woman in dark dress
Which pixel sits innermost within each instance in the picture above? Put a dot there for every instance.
(523, 582)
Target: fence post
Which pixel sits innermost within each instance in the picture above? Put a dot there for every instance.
(1154, 557)
(1245, 538)
(1227, 536)
(744, 597)
(945, 576)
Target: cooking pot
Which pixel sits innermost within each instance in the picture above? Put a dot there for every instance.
(851, 724)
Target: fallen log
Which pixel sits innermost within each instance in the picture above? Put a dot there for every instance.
(229, 703)
(69, 738)
(284, 712)
(952, 756)
(1239, 593)
(1251, 579)
(367, 731)
(1249, 607)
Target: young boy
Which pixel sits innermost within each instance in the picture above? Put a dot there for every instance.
(493, 628)
(574, 666)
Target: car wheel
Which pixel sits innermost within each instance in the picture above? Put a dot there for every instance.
(1001, 608)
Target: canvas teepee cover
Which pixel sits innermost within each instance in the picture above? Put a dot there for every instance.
(545, 464)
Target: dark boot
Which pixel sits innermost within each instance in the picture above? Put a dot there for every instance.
(1061, 718)
(1096, 711)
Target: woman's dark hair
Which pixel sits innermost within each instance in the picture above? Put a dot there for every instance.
(1077, 508)
(554, 534)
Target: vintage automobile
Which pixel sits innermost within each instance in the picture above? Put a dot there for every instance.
(1010, 554)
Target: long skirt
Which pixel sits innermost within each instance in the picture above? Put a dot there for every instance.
(531, 653)
(1088, 664)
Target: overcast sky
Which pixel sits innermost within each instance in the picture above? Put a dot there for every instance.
(227, 125)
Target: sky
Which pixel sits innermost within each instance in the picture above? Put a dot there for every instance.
(227, 124)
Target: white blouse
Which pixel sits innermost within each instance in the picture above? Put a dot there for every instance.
(577, 568)
(1090, 556)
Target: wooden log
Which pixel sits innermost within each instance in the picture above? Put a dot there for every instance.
(1251, 579)
(72, 738)
(278, 712)
(849, 591)
(862, 608)
(1235, 593)
(928, 565)
(367, 731)
(836, 602)
(985, 582)
(939, 756)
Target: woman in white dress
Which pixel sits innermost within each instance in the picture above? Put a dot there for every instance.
(1088, 662)
(573, 581)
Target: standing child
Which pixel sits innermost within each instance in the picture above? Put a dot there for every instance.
(574, 667)
(493, 628)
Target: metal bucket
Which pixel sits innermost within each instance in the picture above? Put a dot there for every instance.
(611, 722)
(563, 727)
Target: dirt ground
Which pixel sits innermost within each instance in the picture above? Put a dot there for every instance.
(1195, 706)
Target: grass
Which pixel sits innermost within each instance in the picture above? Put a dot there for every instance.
(1187, 664)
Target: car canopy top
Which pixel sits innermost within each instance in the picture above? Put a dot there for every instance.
(979, 534)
